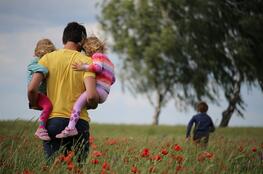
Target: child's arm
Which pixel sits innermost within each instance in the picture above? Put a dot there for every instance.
(189, 127)
(95, 67)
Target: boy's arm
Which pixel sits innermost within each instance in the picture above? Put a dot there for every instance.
(32, 90)
(189, 127)
(92, 98)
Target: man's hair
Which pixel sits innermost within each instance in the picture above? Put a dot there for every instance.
(93, 45)
(43, 47)
(202, 107)
(74, 32)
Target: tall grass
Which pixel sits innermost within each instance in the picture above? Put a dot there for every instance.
(135, 149)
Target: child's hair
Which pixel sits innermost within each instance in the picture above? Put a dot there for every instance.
(202, 107)
(43, 47)
(93, 45)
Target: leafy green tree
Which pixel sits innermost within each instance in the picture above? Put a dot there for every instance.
(154, 60)
(186, 50)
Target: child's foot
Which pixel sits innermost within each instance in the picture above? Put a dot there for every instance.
(42, 134)
(67, 132)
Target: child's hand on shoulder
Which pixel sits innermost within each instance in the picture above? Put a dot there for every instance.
(78, 66)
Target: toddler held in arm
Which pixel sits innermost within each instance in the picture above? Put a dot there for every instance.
(43, 47)
(104, 70)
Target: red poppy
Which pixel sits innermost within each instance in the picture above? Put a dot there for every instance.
(111, 141)
(69, 157)
(134, 169)
(91, 139)
(26, 171)
(70, 165)
(157, 158)
(176, 147)
(208, 155)
(204, 155)
(93, 146)
(94, 161)
(164, 151)
(106, 166)
(254, 149)
(96, 153)
(145, 152)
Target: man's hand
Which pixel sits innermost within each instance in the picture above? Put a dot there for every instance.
(92, 97)
(32, 90)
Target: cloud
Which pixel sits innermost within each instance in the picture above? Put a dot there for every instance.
(38, 14)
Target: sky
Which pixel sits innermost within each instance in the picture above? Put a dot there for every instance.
(23, 23)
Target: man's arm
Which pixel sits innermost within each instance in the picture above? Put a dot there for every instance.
(32, 89)
(92, 98)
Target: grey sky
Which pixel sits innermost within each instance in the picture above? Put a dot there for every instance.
(23, 23)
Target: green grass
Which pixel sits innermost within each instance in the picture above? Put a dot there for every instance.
(230, 150)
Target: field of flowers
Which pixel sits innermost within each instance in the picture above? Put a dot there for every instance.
(129, 149)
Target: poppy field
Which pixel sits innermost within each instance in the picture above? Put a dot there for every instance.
(130, 149)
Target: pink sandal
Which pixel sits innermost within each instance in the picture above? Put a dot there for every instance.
(67, 132)
(42, 134)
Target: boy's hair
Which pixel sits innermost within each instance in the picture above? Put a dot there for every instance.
(43, 47)
(202, 107)
(74, 32)
(93, 45)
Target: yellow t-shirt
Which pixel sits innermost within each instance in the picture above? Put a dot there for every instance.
(64, 85)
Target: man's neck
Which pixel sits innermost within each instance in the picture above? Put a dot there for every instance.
(71, 46)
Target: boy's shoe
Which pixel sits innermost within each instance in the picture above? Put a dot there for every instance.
(67, 132)
(42, 134)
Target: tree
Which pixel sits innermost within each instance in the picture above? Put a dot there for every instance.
(185, 50)
(155, 61)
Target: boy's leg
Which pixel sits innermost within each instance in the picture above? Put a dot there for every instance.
(71, 130)
(46, 105)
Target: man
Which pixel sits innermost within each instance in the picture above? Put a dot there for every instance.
(64, 86)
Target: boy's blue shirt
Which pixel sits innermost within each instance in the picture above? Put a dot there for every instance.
(203, 123)
(34, 67)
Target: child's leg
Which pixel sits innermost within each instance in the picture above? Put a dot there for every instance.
(71, 130)
(102, 94)
(75, 114)
(46, 105)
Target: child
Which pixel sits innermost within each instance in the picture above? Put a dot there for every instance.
(43, 47)
(104, 70)
(203, 125)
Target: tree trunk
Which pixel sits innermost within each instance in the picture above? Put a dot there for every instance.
(233, 101)
(157, 110)
(156, 115)
(227, 114)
